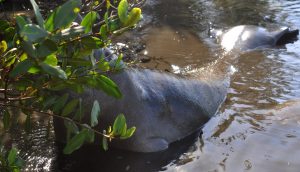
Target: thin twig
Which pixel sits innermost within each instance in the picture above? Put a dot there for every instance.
(56, 116)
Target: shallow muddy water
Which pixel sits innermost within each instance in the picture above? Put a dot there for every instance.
(249, 133)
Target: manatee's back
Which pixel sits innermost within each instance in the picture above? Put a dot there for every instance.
(178, 104)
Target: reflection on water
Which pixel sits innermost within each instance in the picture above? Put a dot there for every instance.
(247, 133)
(173, 49)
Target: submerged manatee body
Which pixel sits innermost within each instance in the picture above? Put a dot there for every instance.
(247, 37)
(163, 107)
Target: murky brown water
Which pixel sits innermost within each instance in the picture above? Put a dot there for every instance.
(250, 133)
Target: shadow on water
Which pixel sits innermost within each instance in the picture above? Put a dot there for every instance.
(96, 159)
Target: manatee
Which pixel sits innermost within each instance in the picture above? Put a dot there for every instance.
(248, 37)
(164, 107)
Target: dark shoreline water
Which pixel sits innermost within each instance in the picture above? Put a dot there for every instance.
(244, 135)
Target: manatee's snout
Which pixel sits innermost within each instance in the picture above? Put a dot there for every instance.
(289, 36)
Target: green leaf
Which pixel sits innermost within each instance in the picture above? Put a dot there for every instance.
(12, 156)
(90, 137)
(103, 66)
(63, 16)
(114, 25)
(76, 87)
(124, 130)
(71, 129)
(70, 107)
(79, 62)
(108, 86)
(119, 124)
(6, 119)
(49, 24)
(54, 71)
(129, 133)
(46, 48)
(34, 70)
(3, 25)
(9, 34)
(123, 10)
(21, 22)
(37, 13)
(92, 42)
(3, 46)
(95, 113)
(29, 48)
(60, 103)
(104, 32)
(134, 16)
(49, 101)
(88, 21)
(51, 60)
(33, 33)
(10, 60)
(21, 68)
(79, 113)
(106, 17)
(69, 33)
(104, 143)
(76, 142)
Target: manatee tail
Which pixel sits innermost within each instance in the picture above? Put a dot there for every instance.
(286, 36)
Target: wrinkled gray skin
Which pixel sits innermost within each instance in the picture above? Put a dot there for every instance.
(163, 107)
(247, 37)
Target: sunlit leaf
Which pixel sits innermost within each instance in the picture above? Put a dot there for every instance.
(3, 46)
(51, 60)
(88, 21)
(95, 113)
(123, 10)
(134, 16)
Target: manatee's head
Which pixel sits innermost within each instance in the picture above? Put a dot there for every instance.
(246, 37)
